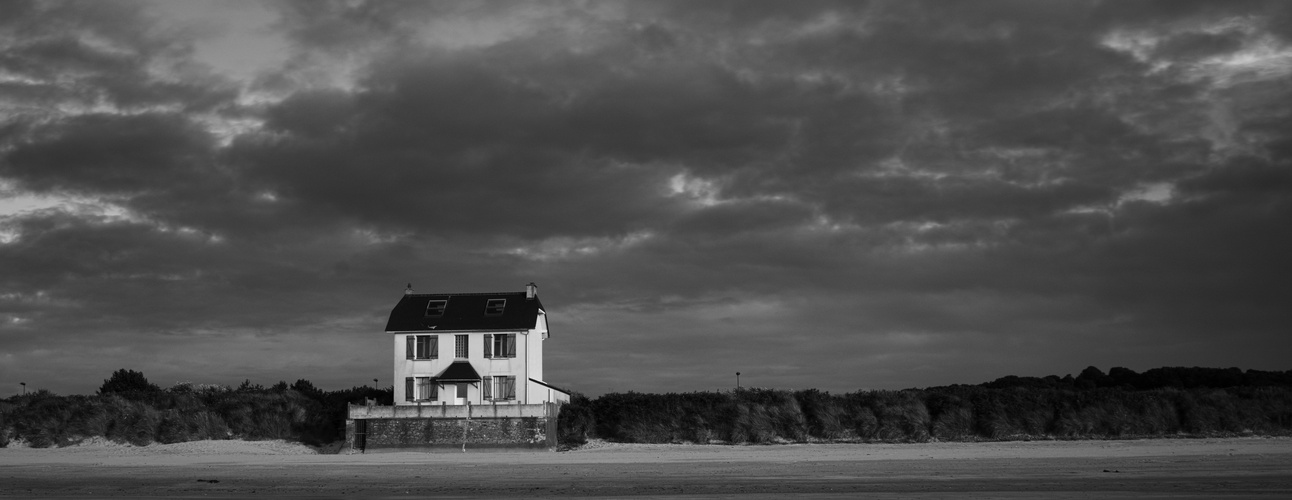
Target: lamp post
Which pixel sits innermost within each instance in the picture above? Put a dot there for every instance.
(24, 387)
(737, 380)
(374, 384)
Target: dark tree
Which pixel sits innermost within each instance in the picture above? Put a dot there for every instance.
(1124, 377)
(128, 382)
(307, 389)
(1091, 378)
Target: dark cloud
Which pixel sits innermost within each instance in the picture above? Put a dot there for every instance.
(110, 153)
(817, 194)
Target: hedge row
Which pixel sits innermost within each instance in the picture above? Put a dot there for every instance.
(958, 413)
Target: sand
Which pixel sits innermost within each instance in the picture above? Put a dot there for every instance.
(1161, 468)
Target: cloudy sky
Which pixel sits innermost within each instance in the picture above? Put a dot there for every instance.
(832, 195)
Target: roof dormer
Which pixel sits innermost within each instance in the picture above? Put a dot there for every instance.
(435, 308)
(495, 307)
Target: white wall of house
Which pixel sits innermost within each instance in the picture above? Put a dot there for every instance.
(536, 392)
(527, 364)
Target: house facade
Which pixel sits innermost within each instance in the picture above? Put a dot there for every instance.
(470, 349)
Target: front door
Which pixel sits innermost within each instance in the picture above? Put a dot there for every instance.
(461, 398)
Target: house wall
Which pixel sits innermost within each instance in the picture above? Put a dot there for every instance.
(527, 341)
(534, 392)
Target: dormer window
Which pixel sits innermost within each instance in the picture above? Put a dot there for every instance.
(435, 308)
(494, 307)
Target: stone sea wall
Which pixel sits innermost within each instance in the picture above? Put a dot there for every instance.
(450, 434)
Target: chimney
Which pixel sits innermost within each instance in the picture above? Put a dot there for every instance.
(409, 290)
(531, 291)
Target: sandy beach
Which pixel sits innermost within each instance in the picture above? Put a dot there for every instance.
(1165, 468)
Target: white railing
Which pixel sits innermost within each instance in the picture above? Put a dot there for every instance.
(452, 411)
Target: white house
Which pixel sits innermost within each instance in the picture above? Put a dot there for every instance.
(470, 348)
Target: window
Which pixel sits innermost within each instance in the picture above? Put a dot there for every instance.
(419, 389)
(500, 345)
(422, 347)
(425, 389)
(499, 388)
(494, 307)
(435, 308)
(460, 346)
(507, 387)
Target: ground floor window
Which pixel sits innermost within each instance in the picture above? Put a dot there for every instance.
(426, 389)
(502, 388)
(420, 389)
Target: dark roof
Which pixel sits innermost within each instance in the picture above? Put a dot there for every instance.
(459, 371)
(464, 311)
(550, 386)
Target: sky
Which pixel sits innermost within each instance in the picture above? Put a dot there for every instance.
(834, 195)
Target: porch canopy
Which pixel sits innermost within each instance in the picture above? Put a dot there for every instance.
(459, 371)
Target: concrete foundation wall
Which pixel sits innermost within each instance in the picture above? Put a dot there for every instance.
(449, 411)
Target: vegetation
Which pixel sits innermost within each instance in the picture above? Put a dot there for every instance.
(1120, 404)
(129, 409)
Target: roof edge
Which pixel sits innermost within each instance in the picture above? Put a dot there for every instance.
(517, 330)
(550, 386)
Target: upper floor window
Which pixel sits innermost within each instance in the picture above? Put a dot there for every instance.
(460, 346)
(500, 345)
(422, 347)
(435, 308)
(494, 307)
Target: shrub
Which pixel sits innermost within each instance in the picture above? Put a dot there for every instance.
(128, 382)
(576, 422)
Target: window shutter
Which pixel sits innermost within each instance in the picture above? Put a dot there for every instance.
(410, 346)
(509, 387)
(511, 345)
(435, 346)
(488, 345)
(435, 393)
(487, 387)
(408, 389)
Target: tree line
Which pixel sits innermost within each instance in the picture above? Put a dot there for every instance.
(1161, 402)
(1121, 403)
(128, 408)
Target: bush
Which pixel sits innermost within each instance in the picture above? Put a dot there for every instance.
(575, 424)
(128, 382)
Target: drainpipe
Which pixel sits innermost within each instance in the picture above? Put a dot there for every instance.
(527, 366)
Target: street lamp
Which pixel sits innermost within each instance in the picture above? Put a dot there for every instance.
(737, 380)
(374, 384)
(24, 387)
